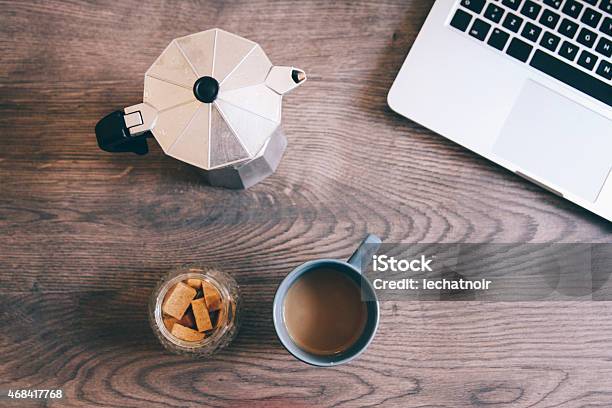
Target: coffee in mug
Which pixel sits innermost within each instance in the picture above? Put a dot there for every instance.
(324, 312)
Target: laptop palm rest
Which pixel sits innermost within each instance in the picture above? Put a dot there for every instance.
(557, 140)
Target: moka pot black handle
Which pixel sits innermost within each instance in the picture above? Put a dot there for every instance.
(113, 135)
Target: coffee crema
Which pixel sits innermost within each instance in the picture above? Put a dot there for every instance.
(324, 313)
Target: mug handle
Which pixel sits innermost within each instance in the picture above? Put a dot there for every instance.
(366, 249)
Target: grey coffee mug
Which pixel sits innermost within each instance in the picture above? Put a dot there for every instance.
(352, 269)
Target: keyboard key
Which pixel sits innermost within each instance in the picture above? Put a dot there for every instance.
(512, 22)
(586, 37)
(479, 29)
(493, 13)
(531, 32)
(573, 77)
(587, 60)
(461, 20)
(591, 17)
(572, 8)
(553, 3)
(513, 4)
(498, 39)
(591, 2)
(550, 41)
(605, 70)
(604, 47)
(549, 19)
(606, 5)
(606, 26)
(519, 49)
(568, 50)
(474, 5)
(531, 9)
(568, 28)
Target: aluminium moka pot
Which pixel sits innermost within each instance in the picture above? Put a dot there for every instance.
(213, 100)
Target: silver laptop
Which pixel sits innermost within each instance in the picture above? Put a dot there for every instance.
(524, 83)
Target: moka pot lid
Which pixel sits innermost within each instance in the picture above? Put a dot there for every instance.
(217, 98)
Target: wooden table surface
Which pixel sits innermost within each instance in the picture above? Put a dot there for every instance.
(85, 235)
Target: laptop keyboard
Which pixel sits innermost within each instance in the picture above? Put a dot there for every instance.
(569, 40)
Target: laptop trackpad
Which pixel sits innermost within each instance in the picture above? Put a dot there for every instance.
(557, 140)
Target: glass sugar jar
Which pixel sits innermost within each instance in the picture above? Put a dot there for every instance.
(195, 310)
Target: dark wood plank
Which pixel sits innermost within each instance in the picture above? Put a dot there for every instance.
(85, 235)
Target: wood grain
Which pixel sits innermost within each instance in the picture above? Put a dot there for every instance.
(85, 235)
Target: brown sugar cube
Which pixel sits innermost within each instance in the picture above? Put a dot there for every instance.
(202, 318)
(221, 317)
(169, 322)
(194, 283)
(188, 319)
(212, 296)
(199, 293)
(177, 301)
(214, 318)
(185, 333)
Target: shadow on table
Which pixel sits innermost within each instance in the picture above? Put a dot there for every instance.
(114, 319)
